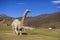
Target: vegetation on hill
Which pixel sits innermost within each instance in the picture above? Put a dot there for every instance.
(42, 21)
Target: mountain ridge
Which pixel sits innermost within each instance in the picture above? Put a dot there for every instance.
(42, 21)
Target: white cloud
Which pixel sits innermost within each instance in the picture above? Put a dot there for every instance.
(56, 2)
(19, 3)
(58, 7)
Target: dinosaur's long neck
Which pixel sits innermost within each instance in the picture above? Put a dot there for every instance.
(24, 17)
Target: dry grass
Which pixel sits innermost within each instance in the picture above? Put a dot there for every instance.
(10, 36)
(37, 34)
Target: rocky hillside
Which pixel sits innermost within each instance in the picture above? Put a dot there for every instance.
(42, 21)
(45, 20)
(5, 19)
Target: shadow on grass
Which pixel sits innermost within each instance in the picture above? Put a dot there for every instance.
(24, 33)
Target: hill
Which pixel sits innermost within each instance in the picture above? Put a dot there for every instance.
(42, 21)
(45, 20)
(5, 19)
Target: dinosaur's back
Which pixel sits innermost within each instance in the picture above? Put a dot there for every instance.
(16, 23)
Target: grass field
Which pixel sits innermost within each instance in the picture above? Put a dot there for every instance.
(36, 34)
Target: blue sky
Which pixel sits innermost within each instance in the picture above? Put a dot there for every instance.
(16, 8)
